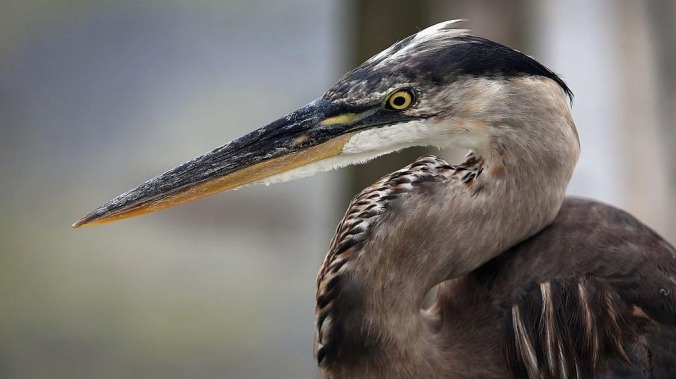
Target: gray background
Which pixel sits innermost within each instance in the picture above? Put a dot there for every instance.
(96, 97)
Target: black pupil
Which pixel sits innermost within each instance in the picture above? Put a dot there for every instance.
(399, 101)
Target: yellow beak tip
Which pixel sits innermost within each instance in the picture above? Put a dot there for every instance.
(77, 224)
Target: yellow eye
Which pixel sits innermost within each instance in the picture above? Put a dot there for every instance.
(400, 100)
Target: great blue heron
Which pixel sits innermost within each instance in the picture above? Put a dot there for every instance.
(531, 284)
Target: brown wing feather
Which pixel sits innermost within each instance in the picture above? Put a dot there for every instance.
(590, 296)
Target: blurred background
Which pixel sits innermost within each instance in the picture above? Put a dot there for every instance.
(98, 96)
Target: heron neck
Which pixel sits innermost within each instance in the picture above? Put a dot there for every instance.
(447, 229)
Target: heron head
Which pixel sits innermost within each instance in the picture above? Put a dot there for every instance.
(438, 87)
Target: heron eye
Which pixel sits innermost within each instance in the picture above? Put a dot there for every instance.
(400, 100)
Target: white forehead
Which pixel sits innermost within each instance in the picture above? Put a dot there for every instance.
(441, 32)
(446, 27)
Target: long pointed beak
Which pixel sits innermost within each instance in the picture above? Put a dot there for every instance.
(310, 134)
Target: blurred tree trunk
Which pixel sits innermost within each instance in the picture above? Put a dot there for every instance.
(645, 33)
(662, 21)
